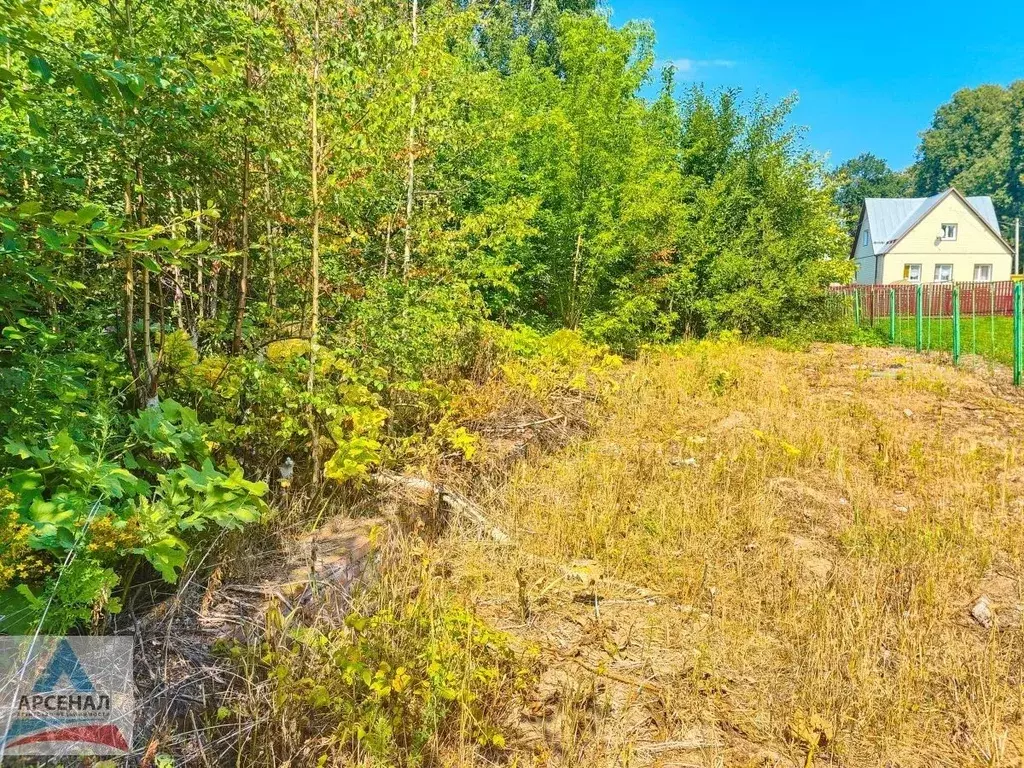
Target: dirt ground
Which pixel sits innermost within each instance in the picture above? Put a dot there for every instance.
(771, 557)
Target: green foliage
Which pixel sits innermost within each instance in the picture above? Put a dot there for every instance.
(866, 176)
(542, 364)
(259, 407)
(390, 686)
(157, 216)
(838, 330)
(974, 144)
(75, 514)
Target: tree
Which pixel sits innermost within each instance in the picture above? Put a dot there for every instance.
(865, 176)
(1015, 164)
(199, 206)
(970, 145)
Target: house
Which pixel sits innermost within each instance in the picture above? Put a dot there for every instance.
(937, 239)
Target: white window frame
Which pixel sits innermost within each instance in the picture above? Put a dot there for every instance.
(908, 273)
(983, 266)
(936, 273)
(865, 238)
(949, 232)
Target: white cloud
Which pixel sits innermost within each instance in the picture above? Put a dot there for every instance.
(688, 68)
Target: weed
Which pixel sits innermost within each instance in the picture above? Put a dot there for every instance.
(409, 676)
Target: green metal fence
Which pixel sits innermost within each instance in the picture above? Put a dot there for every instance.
(982, 319)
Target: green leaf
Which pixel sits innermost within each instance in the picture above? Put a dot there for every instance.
(87, 213)
(115, 76)
(136, 84)
(89, 85)
(29, 208)
(37, 126)
(40, 66)
(167, 556)
(23, 451)
(52, 238)
(99, 244)
(198, 247)
(18, 613)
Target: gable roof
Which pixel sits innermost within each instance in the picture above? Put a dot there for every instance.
(890, 219)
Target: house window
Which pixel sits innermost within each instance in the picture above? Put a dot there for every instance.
(949, 231)
(983, 273)
(912, 273)
(943, 273)
(865, 239)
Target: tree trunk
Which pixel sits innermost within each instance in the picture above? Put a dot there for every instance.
(411, 181)
(243, 276)
(573, 319)
(129, 293)
(387, 245)
(178, 301)
(314, 172)
(215, 267)
(147, 340)
(271, 266)
(150, 382)
(200, 311)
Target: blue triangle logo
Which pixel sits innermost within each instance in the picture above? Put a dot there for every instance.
(63, 663)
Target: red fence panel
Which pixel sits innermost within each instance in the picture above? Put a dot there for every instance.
(981, 299)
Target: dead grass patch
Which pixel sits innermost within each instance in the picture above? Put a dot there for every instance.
(790, 545)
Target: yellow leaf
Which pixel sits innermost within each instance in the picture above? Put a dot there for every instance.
(587, 571)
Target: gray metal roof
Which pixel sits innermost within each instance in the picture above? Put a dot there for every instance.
(890, 218)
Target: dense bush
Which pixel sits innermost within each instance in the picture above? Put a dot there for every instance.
(236, 235)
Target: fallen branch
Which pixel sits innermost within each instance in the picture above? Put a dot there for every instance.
(624, 679)
(455, 501)
(696, 742)
(527, 425)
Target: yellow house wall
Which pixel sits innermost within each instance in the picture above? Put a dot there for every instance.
(975, 244)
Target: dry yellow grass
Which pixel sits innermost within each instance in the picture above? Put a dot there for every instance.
(787, 547)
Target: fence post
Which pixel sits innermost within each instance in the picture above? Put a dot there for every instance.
(892, 315)
(956, 324)
(1017, 332)
(856, 307)
(919, 316)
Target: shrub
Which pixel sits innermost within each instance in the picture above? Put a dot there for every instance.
(71, 514)
(393, 685)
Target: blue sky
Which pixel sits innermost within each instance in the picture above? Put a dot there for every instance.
(869, 75)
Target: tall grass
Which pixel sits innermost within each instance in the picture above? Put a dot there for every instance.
(820, 524)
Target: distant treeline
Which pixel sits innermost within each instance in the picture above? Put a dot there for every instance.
(975, 143)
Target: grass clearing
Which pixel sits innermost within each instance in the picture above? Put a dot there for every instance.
(769, 557)
(988, 337)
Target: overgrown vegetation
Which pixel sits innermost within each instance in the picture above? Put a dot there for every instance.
(252, 244)
(411, 677)
(254, 253)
